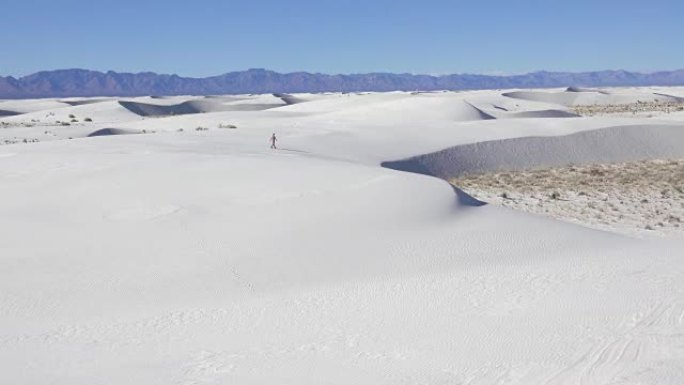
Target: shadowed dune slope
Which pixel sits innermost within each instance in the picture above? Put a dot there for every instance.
(581, 89)
(677, 99)
(289, 99)
(76, 103)
(9, 113)
(477, 113)
(607, 145)
(111, 131)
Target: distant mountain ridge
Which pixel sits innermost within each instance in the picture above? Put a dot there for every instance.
(79, 82)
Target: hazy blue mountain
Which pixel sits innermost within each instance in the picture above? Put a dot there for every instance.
(79, 82)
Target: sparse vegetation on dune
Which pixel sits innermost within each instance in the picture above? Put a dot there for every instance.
(630, 109)
(19, 140)
(634, 197)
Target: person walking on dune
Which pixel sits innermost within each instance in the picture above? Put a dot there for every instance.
(273, 141)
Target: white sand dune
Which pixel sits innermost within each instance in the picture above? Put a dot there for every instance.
(500, 106)
(606, 145)
(101, 111)
(204, 257)
(31, 105)
(170, 106)
(190, 107)
(574, 96)
(401, 106)
(498, 112)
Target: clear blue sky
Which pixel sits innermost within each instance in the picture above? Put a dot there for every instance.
(210, 37)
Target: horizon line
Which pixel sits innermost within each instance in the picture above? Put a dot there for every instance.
(343, 74)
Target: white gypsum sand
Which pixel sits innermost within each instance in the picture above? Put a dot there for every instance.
(191, 253)
(638, 197)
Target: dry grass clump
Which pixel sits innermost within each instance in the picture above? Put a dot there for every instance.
(633, 197)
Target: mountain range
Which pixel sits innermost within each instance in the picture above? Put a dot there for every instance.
(80, 82)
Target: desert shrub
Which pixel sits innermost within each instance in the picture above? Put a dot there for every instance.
(66, 124)
(74, 120)
(231, 126)
(555, 195)
(200, 128)
(72, 116)
(87, 120)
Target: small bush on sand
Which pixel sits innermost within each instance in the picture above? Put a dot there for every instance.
(72, 116)
(87, 120)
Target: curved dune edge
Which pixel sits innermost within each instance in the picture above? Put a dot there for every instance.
(111, 131)
(76, 103)
(677, 99)
(190, 107)
(479, 113)
(494, 110)
(605, 145)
